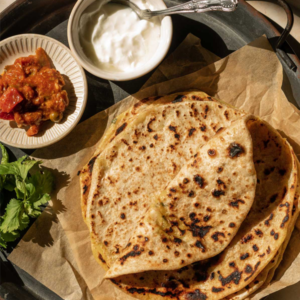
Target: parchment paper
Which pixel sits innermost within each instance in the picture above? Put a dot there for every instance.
(250, 78)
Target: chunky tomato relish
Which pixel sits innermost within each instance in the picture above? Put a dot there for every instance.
(31, 92)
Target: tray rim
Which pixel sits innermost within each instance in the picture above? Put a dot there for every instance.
(273, 30)
(262, 17)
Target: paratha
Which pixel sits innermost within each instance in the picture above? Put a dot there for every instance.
(127, 117)
(260, 284)
(141, 159)
(266, 276)
(257, 282)
(254, 246)
(201, 209)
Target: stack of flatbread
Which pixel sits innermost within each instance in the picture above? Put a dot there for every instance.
(190, 198)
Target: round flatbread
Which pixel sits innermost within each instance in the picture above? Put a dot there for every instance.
(201, 209)
(254, 246)
(141, 159)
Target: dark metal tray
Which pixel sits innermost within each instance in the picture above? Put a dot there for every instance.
(220, 33)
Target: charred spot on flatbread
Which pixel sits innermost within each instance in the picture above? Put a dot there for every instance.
(178, 98)
(121, 128)
(235, 150)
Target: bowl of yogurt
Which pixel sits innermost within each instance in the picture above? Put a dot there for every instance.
(110, 41)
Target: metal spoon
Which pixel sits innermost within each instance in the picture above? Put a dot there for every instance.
(194, 6)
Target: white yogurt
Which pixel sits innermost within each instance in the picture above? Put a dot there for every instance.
(115, 39)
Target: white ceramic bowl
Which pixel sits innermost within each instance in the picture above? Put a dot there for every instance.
(74, 43)
(76, 87)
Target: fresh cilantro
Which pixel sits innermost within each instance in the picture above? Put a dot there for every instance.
(5, 157)
(4, 160)
(13, 218)
(43, 183)
(19, 168)
(8, 237)
(31, 189)
(9, 183)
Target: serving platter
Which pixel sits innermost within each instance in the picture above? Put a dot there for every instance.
(220, 33)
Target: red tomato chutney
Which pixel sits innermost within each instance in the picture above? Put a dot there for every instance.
(31, 92)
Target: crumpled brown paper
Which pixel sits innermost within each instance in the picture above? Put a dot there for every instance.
(249, 78)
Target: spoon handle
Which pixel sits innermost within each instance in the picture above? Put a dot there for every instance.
(199, 6)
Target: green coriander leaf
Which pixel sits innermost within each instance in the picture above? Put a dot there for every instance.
(19, 194)
(25, 166)
(35, 213)
(24, 221)
(43, 200)
(2, 242)
(4, 160)
(33, 208)
(21, 186)
(12, 168)
(8, 237)
(28, 207)
(30, 189)
(30, 210)
(19, 168)
(9, 183)
(5, 157)
(13, 216)
(9, 169)
(43, 184)
(31, 192)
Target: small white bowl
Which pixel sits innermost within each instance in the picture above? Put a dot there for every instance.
(74, 43)
(76, 87)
